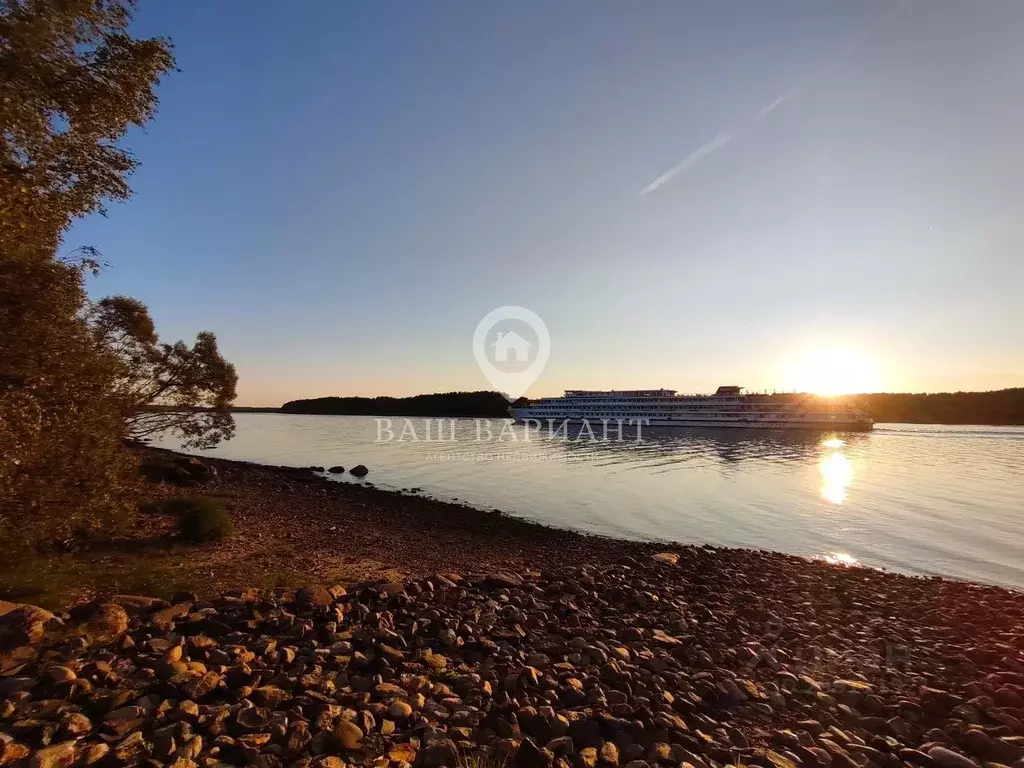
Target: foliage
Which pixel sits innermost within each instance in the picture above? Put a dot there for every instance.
(173, 388)
(72, 81)
(1002, 407)
(201, 518)
(62, 470)
(480, 404)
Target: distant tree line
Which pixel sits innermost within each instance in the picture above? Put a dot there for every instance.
(1003, 407)
(478, 404)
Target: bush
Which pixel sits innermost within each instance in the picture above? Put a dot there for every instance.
(201, 518)
(63, 473)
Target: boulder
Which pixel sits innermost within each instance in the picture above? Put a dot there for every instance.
(359, 470)
(196, 469)
(100, 621)
(25, 625)
(503, 579)
(166, 471)
(670, 558)
(317, 596)
(336, 470)
(55, 756)
(135, 605)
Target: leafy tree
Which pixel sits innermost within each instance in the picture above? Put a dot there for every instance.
(72, 82)
(173, 388)
(62, 470)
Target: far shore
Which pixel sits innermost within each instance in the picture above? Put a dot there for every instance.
(1003, 407)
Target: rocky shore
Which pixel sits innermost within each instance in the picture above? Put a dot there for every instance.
(599, 654)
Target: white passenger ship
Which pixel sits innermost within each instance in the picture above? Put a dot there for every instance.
(728, 407)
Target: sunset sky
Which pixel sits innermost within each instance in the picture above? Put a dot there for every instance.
(688, 193)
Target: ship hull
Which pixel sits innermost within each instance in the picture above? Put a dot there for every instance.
(597, 425)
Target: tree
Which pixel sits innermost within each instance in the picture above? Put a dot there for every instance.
(72, 82)
(63, 473)
(187, 391)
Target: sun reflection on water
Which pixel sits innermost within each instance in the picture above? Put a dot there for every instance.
(837, 473)
(840, 558)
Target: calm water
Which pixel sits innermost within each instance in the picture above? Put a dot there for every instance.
(918, 499)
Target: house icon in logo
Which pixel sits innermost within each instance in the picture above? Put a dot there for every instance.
(511, 342)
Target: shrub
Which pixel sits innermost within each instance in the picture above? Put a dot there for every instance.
(201, 518)
(63, 474)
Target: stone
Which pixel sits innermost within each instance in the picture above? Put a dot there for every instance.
(529, 755)
(504, 579)
(25, 625)
(317, 596)
(402, 753)
(440, 753)
(608, 755)
(585, 733)
(201, 685)
(347, 734)
(132, 749)
(977, 742)
(359, 470)
(270, 696)
(94, 753)
(336, 470)
(399, 710)
(55, 756)
(101, 621)
(76, 724)
(138, 605)
(947, 758)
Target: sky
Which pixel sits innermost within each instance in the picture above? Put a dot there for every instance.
(688, 194)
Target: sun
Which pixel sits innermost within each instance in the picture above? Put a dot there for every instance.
(833, 371)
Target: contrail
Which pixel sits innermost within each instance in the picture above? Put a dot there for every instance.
(855, 41)
(782, 99)
(688, 162)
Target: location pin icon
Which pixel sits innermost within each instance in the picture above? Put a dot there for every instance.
(512, 385)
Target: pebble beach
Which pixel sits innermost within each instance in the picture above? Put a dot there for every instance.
(459, 638)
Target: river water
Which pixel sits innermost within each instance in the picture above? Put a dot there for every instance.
(921, 499)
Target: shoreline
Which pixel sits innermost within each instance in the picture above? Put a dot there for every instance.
(425, 634)
(294, 527)
(532, 543)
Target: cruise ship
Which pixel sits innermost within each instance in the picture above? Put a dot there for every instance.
(729, 407)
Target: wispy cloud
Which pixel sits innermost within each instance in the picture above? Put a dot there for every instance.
(688, 162)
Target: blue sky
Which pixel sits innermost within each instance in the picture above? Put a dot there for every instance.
(342, 191)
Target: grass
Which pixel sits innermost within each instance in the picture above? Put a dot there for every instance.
(201, 519)
(55, 580)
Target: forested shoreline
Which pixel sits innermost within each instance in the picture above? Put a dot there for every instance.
(1003, 407)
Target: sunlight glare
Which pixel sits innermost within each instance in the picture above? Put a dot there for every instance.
(837, 473)
(840, 558)
(833, 371)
